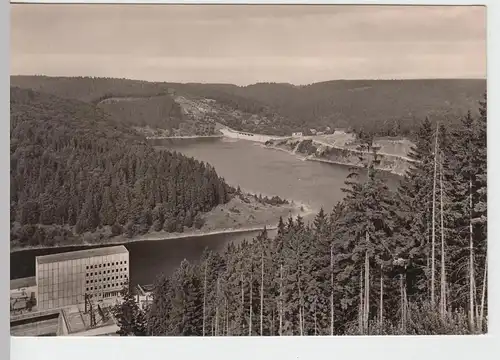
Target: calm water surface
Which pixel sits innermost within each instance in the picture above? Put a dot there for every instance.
(268, 171)
(255, 169)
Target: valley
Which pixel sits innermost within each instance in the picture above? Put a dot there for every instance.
(184, 181)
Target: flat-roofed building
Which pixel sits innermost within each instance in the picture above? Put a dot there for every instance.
(23, 285)
(23, 294)
(63, 279)
(70, 321)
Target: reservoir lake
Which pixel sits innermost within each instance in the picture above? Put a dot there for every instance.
(247, 164)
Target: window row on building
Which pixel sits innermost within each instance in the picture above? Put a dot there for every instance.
(106, 279)
(104, 272)
(111, 294)
(113, 263)
(99, 287)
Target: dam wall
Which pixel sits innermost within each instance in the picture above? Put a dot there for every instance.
(241, 135)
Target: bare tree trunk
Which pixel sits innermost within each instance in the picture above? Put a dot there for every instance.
(262, 294)
(251, 304)
(448, 296)
(300, 311)
(483, 293)
(403, 309)
(405, 302)
(281, 300)
(242, 301)
(361, 304)
(476, 303)
(272, 323)
(300, 303)
(443, 256)
(331, 290)
(427, 269)
(315, 321)
(367, 287)
(301, 320)
(433, 245)
(226, 317)
(217, 310)
(381, 316)
(204, 297)
(471, 262)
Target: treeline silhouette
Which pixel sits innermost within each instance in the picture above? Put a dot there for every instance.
(76, 170)
(410, 261)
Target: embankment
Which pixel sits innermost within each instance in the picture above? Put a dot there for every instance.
(317, 150)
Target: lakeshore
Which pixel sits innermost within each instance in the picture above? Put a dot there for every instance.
(339, 141)
(183, 137)
(326, 161)
(267, 142)
(152, 236)
(235, 217)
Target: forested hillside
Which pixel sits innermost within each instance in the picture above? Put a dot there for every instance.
(77, 170)
(383, 107)
(411, 261)
(380, 107)
(136, 103)
(89, 89)
(158, 112)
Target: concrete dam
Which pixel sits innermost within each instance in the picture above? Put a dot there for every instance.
(241, 135)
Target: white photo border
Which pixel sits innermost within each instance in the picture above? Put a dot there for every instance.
(407, 347)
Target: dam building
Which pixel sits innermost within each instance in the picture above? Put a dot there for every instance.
(68, 279)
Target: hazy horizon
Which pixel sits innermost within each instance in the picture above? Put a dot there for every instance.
(249, 84)
(249, 44)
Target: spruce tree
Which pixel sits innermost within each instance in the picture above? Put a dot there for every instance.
(131, 319)
(414, 203)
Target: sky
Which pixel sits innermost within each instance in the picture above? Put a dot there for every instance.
(244, 44)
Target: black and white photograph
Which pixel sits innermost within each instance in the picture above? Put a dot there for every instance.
(246, 170)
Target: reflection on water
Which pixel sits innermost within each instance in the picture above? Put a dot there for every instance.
(148, 259)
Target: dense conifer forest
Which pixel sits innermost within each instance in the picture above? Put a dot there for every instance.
(410, 261)
(380, 107)
(133, 102)
(76, 170)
